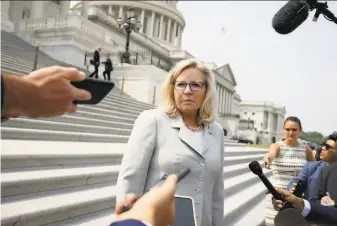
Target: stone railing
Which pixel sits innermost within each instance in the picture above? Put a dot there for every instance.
(63, 22)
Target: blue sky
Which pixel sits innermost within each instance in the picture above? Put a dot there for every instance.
(298, 70)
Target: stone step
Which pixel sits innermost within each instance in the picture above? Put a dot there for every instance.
(119, 110)
(131, 100)
(238, 203)
(233, 160)
(13, 71)
(40, 211)
(62, 126)
(48, 135)
(255, 216)
(113, 111)
(102, 217)
(17, 186)
(107, 116)
(113, 104)
(21, 155)
(69, 118)
(7, 58)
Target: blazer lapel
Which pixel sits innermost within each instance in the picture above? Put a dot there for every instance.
(183, 133)
(208, 138)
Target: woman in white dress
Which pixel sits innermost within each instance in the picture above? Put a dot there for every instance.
(285, 158)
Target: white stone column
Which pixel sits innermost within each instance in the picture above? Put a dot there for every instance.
(85, 9)
(227, 102)
(230, 103)
(120, 14)
(161, 28)
(37, 9)
(270, 122)
(151, 28)
(168, 35)
(142, 15)
(223, 100)
(173, 33)
(179, 36)
(111, 12)
(6, 24)
(64, 8)
(219, 99)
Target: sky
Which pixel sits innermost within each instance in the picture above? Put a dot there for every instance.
(298, 70)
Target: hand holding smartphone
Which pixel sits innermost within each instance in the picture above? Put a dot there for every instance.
(98, 89)
(181, 176)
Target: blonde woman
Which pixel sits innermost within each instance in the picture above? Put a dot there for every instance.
(182, 134)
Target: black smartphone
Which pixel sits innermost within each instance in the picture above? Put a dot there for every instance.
(298, 192)
(98, 89)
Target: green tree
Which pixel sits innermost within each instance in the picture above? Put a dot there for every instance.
(315, 137)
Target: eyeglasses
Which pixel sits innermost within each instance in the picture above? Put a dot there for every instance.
(194, 86)
(327, 146)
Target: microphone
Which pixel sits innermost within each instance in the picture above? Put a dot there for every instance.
(290, 217)
(257, 170)
(290, 16)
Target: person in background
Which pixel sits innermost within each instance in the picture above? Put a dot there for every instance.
(96, 62)
(108, 68)
(317, 153)
(284, 158)
(311, 170)
(45, 92)
(182, 134)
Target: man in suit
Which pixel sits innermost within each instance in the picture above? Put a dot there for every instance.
(312, 211)
(108, 68)
(155, 208)
(312, 170)
(96, 62)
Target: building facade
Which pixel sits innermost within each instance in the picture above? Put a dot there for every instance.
(261, 121)
(67, 33)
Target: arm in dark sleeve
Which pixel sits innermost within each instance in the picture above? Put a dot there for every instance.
(320, 214)
(2, 92)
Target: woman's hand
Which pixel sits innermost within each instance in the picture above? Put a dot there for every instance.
(267, 161)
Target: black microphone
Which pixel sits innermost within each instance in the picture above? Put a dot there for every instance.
(257, 170)
(290, 217)
(290, 16)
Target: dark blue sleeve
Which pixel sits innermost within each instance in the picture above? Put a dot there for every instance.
(128, 223)
(303, 176)
(322, 214)
(2, 92)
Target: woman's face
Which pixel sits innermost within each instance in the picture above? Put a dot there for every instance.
(189, 98)
(329, 152)
(291, 130)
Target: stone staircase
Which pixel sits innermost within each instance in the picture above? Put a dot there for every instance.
(63, 170)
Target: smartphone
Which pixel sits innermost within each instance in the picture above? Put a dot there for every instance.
(184, 211)
(298, 192)
(98, 89)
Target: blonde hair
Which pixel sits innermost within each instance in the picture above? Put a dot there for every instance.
(206, 113)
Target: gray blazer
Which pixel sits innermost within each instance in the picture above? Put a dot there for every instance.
(161, 145)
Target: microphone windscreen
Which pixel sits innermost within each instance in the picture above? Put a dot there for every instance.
(290, 16)
(290, 217)
(255, 167)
